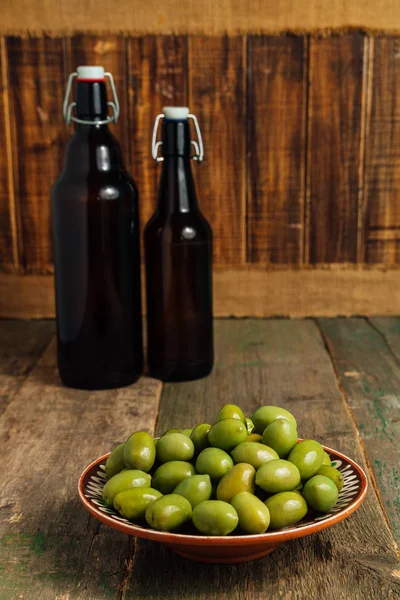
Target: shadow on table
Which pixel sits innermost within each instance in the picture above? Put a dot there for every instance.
(160, 573)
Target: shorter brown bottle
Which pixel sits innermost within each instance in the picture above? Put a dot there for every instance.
(178, 253)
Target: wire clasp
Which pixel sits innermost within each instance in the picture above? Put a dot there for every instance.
(198, 146)
(68, 108)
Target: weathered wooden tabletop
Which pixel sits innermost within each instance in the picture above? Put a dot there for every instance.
(341, 379)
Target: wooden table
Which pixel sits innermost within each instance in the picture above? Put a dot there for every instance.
(341, 379)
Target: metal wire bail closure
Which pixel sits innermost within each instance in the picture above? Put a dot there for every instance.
(198, 147)
(68, 108)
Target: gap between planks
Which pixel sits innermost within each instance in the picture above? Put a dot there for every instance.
(15, 216)
(385, 340)
(307, 159)
(366, 106)
(134, 545)
(343, 394)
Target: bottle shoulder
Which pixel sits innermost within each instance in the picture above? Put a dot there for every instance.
(93, 150)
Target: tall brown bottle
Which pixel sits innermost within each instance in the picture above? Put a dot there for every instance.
(178, 252)
(95, 223)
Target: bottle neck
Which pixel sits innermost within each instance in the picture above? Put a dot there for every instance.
(176, 192)
(91, 100)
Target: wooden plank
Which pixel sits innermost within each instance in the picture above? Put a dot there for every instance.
(21, 344)
(382, 165)
(248, 291)
(335, 115)
(217, 96)
(109, 52)
(283, 362)
(37, 84)
(370, 378)
(202, 17)
(276, 149)
(9, 259)
(49, 546)
(157, 77)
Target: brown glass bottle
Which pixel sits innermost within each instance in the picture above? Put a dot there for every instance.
(178, 252)
(95, 222)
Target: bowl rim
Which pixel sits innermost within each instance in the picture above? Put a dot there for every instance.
(272, 537)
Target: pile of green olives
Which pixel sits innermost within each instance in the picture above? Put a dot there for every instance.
(240, 473)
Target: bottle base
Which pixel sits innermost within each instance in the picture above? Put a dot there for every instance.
(100, 384)
(172, 372)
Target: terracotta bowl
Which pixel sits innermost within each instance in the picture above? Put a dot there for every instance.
(231, 548)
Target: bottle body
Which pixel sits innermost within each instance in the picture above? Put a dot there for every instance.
(95, 223)
(178, 252)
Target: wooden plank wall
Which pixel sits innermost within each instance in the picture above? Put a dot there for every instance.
(302, 141)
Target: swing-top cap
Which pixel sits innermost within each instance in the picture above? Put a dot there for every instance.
(90, 73)
(176, 113)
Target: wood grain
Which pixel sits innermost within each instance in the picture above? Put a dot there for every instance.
(382, 166)
(248, 291)
(217, 96)
(157, 68)
(389, 328)
(370, 378)
(49, 546)
(37, 84)
(21, 345)
(276, 142)
(9, 259)
(335, 115)
(109, 52)
(283, 362)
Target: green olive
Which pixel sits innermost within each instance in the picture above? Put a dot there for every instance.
(252, 512)
(115, 462)
(168, 513)
(239, 479)
(286, 508)
(278, 475)
(168, 475)
(333, 474)
(254, 453)
(124, 481)
(196, 489)
(326, 460)
(307, 456)
(227, 434)
(174, 446)
(140, 451)
(281, 435)
(320, 493)
(199, 437)
(215, 462)
(173, 430)
(267, 414)
(132, 504)
(214, 517)
(254, 437)
(231, 411)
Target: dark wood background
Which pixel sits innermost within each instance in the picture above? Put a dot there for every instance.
(301, 134)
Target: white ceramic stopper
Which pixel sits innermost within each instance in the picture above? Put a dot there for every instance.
(87, 72)
(176, 112)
